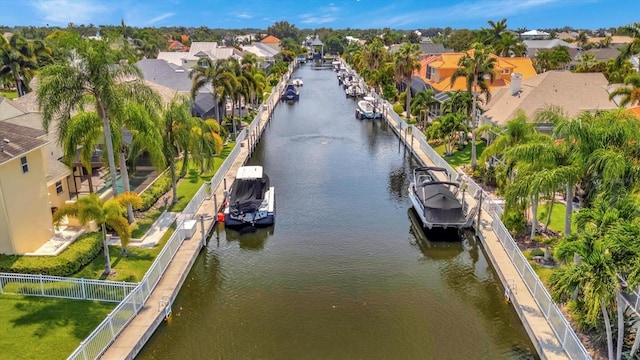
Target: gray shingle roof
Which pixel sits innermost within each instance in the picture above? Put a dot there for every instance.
(16, 141)
(170, 76)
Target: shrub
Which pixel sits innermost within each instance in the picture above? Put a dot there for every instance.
(514, 221)
(398, 108)
(537, 252)
(155, 191)
(69, 262)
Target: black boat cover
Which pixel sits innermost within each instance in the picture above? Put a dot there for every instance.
(440, 205)
(247, 194)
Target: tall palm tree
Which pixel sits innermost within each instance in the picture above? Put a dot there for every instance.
(629, 94)
(496, 31)
(594, 276)
(214, 74)
(477, 66)
(421, 104)
(19, 60)
(406, 62)
(104, 213)
(509, 44)
(93, 76)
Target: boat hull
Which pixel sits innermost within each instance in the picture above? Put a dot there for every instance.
(265, 221)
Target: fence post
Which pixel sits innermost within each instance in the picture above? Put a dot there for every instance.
(83, 282)
(41, 285)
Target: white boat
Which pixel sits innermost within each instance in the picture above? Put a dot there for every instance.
(297, 81)
(439, 203)
(354, 91)
(367, 110)
(251, 199)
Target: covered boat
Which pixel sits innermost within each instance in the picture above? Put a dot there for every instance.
(366, 109)
(291, 93)
(251, 199)
(297, 81)
(437, 202)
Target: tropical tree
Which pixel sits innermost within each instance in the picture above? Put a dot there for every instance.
(105, 213)
(477, 66)
(508, 45)
(184, 135)
(19, 59)
(406, 62)
(594, 277)
(215, 74)
(421, 104)
(448, 128)
(629, 94)
(92, 76)
(516, 131)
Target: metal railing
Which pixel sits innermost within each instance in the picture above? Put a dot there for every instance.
(558, 323)
(63, 287)
(98, 341)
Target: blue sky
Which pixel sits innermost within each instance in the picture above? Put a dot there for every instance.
(337, 14)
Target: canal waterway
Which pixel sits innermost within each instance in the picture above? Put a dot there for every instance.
(344, 273)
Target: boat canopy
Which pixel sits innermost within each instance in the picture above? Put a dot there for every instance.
(440, 205)
(247, 194)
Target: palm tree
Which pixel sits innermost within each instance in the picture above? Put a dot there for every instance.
(93, 75)
(496, 31)
(19, 60)
(630, 94)
(216, 74)
(406, 62)
(104, 213)
(422, 102)
(476, 66)
(508, 45)
(185, 135)
(516, 131)
(594, 276)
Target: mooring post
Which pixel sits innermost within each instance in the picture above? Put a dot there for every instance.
(479, 210)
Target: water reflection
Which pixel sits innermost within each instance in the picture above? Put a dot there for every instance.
(250, 238)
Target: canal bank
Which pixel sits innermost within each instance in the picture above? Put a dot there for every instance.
(158, 305)
(547, 327)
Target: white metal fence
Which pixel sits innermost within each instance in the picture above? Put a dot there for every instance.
(98, 341)
(63, 287)
(561, 327)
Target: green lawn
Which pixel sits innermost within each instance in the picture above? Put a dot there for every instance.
(542, 272)
(557, 216)
(129, 267)
(460, 157)
(43, 328)
(9, 94)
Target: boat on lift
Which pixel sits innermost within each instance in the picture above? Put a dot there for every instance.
(251, 199)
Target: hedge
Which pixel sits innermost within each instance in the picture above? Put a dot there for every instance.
(80, 253)
(155, 191)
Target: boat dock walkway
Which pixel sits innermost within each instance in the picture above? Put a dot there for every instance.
(133, 337)
(534, 321)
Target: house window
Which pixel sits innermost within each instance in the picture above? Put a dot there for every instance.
(431, 72)
(59, 189)
(505, 71)
(25, 166)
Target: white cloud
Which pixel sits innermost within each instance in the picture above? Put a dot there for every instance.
(322, 15)
(160, 18)
(62, 12)
(244, 15)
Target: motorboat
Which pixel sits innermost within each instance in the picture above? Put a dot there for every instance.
(439, 203)
(354, 91)
(290, 93)
(250, 200)
(297, 81)
(366, 109)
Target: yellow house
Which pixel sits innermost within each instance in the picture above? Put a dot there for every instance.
(25, 210)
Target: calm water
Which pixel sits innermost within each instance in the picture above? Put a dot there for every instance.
(343, 274)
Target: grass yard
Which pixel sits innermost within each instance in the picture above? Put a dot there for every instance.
(557, 217)
(43, 328)
(542, 272)
(460, 157)
(129, 267)
(9, 94)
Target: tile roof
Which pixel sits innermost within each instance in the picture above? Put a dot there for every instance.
(270, 39)
(17, 140)
(573, 92)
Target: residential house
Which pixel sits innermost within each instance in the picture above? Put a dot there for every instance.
(436, 71)
(568, 36)
(426, 49)
(533, 46)
(175, 45)
(25, 213)
(197, 51)
(573, 92)
(170, 79)
(616, 41)
(601, 54)
(535, 35)
(264, 52)
(272, 42)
